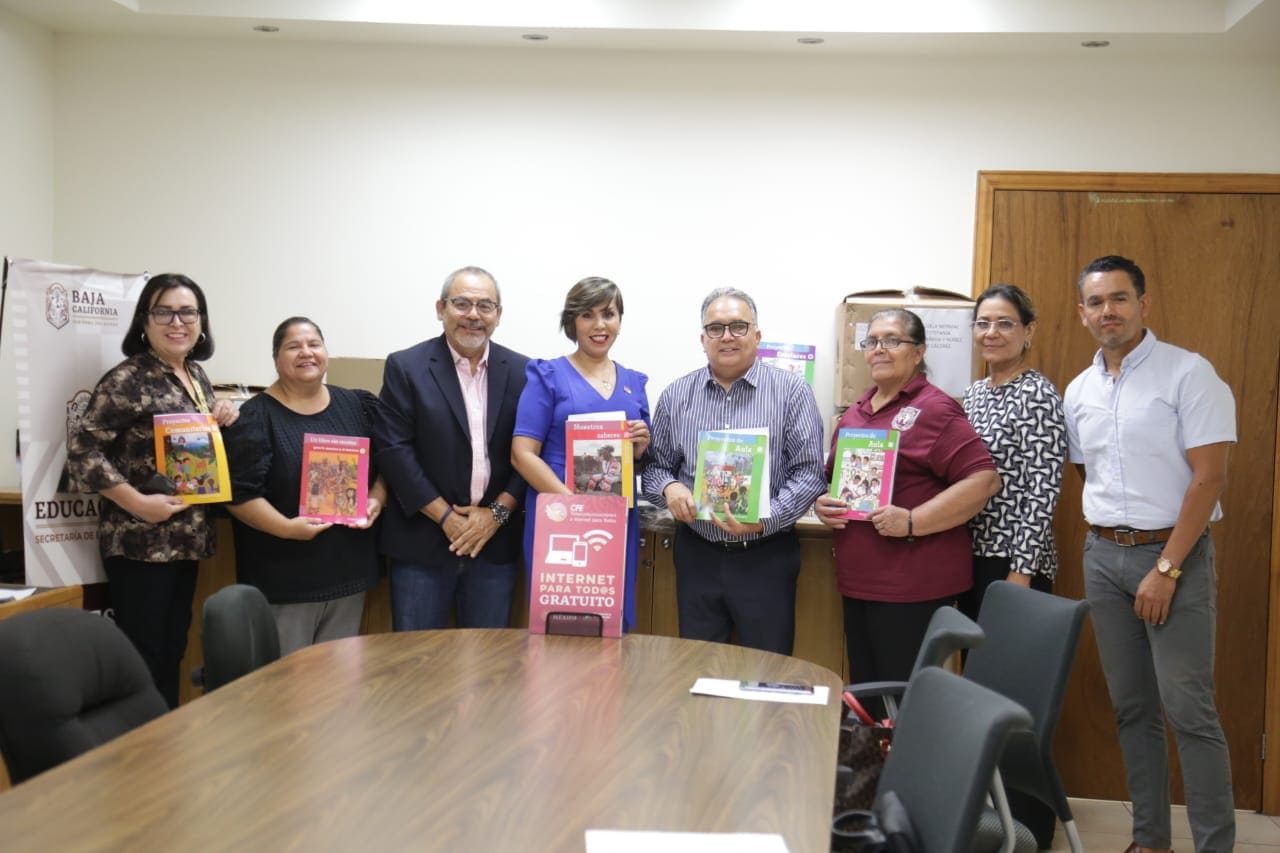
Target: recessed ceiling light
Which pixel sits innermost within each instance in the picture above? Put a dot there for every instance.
(266, 28)
(535, 36)
(810, 40)
(1095, 43)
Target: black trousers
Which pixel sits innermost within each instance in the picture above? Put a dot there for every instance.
(752, 591)
(152, 605)
(986, 571)
(883, 638)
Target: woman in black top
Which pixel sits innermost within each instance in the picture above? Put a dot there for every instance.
(315, 574)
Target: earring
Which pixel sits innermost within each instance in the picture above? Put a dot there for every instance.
(1026, 344)
(143, 335)
(203, 337)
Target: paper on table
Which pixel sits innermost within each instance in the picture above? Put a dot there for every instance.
(646, 841)
(15, 594)
(731, 689)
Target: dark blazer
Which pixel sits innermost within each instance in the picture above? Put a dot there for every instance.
(422, 447)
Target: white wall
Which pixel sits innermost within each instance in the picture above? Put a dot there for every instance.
(26, 187)
(345, 181)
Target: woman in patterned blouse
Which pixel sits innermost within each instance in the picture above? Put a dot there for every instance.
(149, 539)
(1018, 413)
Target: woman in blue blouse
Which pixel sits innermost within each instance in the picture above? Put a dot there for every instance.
(584, 381)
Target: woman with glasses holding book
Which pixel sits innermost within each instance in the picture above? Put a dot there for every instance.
(911, 554)
(314, 572)
(149, 538)
(585, 381)
(1018, 414)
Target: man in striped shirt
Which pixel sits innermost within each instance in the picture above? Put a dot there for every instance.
(732, 574)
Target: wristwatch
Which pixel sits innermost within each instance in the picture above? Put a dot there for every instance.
(501, 513)
(1164, 567)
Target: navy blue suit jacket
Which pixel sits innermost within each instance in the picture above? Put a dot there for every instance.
(422, 445)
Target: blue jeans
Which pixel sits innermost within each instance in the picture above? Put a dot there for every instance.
(422, 597)
(1153, 672)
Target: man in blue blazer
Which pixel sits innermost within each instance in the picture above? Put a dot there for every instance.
(442, 439)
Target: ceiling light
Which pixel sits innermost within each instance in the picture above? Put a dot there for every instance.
(535, 36)
(1095, 43)
(810, 40)
(266, 28)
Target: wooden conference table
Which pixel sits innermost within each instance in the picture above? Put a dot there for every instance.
(453, 740)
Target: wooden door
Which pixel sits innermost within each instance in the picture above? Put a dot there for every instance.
(1210, 248)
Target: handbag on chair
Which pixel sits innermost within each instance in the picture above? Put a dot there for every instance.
(864, 745)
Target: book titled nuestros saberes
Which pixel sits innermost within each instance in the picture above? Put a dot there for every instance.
(189, 452)
(862, 475)
(732, 471)
(335, 478)
(598, 455)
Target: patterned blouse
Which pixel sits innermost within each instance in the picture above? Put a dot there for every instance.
(116, 444)
(1022, 424)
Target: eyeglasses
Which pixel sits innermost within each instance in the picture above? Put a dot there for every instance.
(463, 305)
(164, 316)
(1004, 325)
(883, 343)
(736, 329)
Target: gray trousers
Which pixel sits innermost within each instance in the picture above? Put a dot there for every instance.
(1167, 670)
(314, 622)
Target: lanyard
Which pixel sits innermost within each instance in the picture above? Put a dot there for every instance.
(202, 403)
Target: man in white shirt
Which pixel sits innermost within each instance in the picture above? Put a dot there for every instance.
(1149, 426)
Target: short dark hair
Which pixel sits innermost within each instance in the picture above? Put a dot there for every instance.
(277, 337)
(590, 292)
(1110, 263)
(135, 340)
(1012, 294)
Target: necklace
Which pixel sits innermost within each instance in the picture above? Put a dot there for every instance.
(596, 378)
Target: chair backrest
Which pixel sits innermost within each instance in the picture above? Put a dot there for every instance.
(238, 633)
(948, 737)
(69, 681)
(1031, 646)
(948, 632)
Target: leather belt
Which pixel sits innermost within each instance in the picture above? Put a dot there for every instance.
(1127, 537)
(734, 546)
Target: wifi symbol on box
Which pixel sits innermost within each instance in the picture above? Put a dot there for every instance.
(597, 539)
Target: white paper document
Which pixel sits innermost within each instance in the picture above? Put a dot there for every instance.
(15, 594)
(731, 689)
(645, 841)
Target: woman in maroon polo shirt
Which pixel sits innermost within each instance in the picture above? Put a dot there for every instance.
(912, 555)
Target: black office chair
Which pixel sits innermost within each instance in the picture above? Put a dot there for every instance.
(238, 633)
(71, 680)
(949, 631)
(949, 735)
(1032, 638)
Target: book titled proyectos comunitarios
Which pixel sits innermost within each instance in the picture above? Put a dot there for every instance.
(190, 454)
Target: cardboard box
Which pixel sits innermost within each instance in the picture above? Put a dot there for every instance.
(949, 357)
(362, 373)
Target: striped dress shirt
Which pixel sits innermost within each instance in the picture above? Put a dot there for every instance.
(767, 397)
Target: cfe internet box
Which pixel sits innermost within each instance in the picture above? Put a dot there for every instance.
(950, 358)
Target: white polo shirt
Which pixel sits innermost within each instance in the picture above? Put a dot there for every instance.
(1132, 432)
